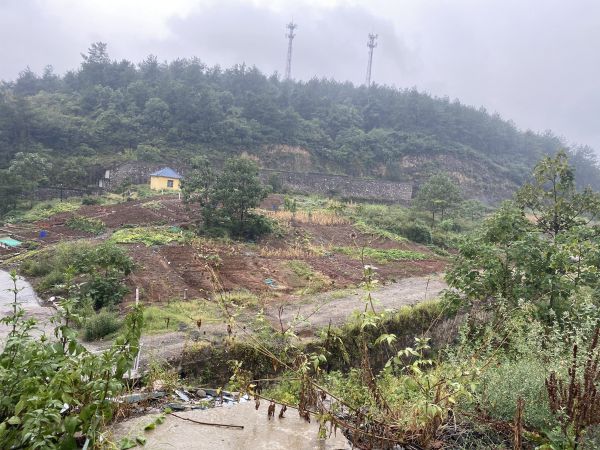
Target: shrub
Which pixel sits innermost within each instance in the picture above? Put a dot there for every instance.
(449, 225)
(55, 392)
(101, 325)
(89, 200)
(85, 224)
(105, 291)
(418, 232)
(275, 183)
(255, 226)
(36, 267)
(504, 383)
(51, 280)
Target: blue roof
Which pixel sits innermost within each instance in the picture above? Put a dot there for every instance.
(167, 172)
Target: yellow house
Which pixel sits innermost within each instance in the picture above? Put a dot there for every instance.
(165, 179)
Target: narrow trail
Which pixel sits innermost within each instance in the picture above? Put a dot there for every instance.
(319, 310)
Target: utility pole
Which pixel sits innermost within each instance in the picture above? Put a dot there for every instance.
(371, 44)
(290, 35)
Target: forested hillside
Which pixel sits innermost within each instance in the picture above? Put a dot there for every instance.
(110, 111)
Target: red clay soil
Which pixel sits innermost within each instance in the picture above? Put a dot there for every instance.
(133, 212)
(171, 212)
(166, 272)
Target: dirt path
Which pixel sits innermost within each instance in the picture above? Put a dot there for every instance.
(321, 309)
(317, 310)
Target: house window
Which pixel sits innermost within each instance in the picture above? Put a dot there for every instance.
(170, 183)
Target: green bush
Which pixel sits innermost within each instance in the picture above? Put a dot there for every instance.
(89, 200)
(502, 384)
(49, 282)
(254, 227)
(418, 232)
(449, 225)
(105, 291)
(86, 224)
(101, 325)
(36, 267)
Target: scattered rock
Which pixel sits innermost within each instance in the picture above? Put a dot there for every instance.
(182, 395)
(140, 397)
(177, 406)
(201, 393)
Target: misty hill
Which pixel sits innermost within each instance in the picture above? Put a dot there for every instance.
(109, 111)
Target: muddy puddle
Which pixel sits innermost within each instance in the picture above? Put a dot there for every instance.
(289, 433)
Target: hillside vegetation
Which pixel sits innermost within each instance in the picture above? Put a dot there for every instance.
(109, 111)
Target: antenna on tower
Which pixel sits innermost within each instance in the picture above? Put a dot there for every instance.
(371, 44)
(290, 35)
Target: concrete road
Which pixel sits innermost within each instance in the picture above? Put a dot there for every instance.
(28, 300)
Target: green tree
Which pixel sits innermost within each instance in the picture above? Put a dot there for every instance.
(227, 199)
(553, 199)
(542, 261)
(439, 194)
(33, 168)
(198, 186)
(239, 189)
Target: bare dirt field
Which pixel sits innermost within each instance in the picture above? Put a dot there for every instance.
(268, 268)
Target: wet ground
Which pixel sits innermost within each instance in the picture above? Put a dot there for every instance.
(28, 300)
(258, 433)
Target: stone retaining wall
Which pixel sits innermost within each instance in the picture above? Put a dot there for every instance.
(301, 182)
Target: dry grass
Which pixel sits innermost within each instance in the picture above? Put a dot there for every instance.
(293, 252)
(319, 217)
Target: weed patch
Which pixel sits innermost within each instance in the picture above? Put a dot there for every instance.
(148, 236)
(379, 232)
(172, 316)
(44, 210)
(101, 325)
(380, 255)
(86, 224)
(154, 205)
(316, 280)
(319, 217)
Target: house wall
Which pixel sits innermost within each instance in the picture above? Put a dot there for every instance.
(160, 183)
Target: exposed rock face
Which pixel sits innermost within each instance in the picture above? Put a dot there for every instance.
(297, 171)
(342, 186)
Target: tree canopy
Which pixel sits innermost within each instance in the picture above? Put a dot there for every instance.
(227, 200)
(108, 111)
(438, 194)
(538, 249)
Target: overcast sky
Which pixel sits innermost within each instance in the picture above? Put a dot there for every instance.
(536, 62)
